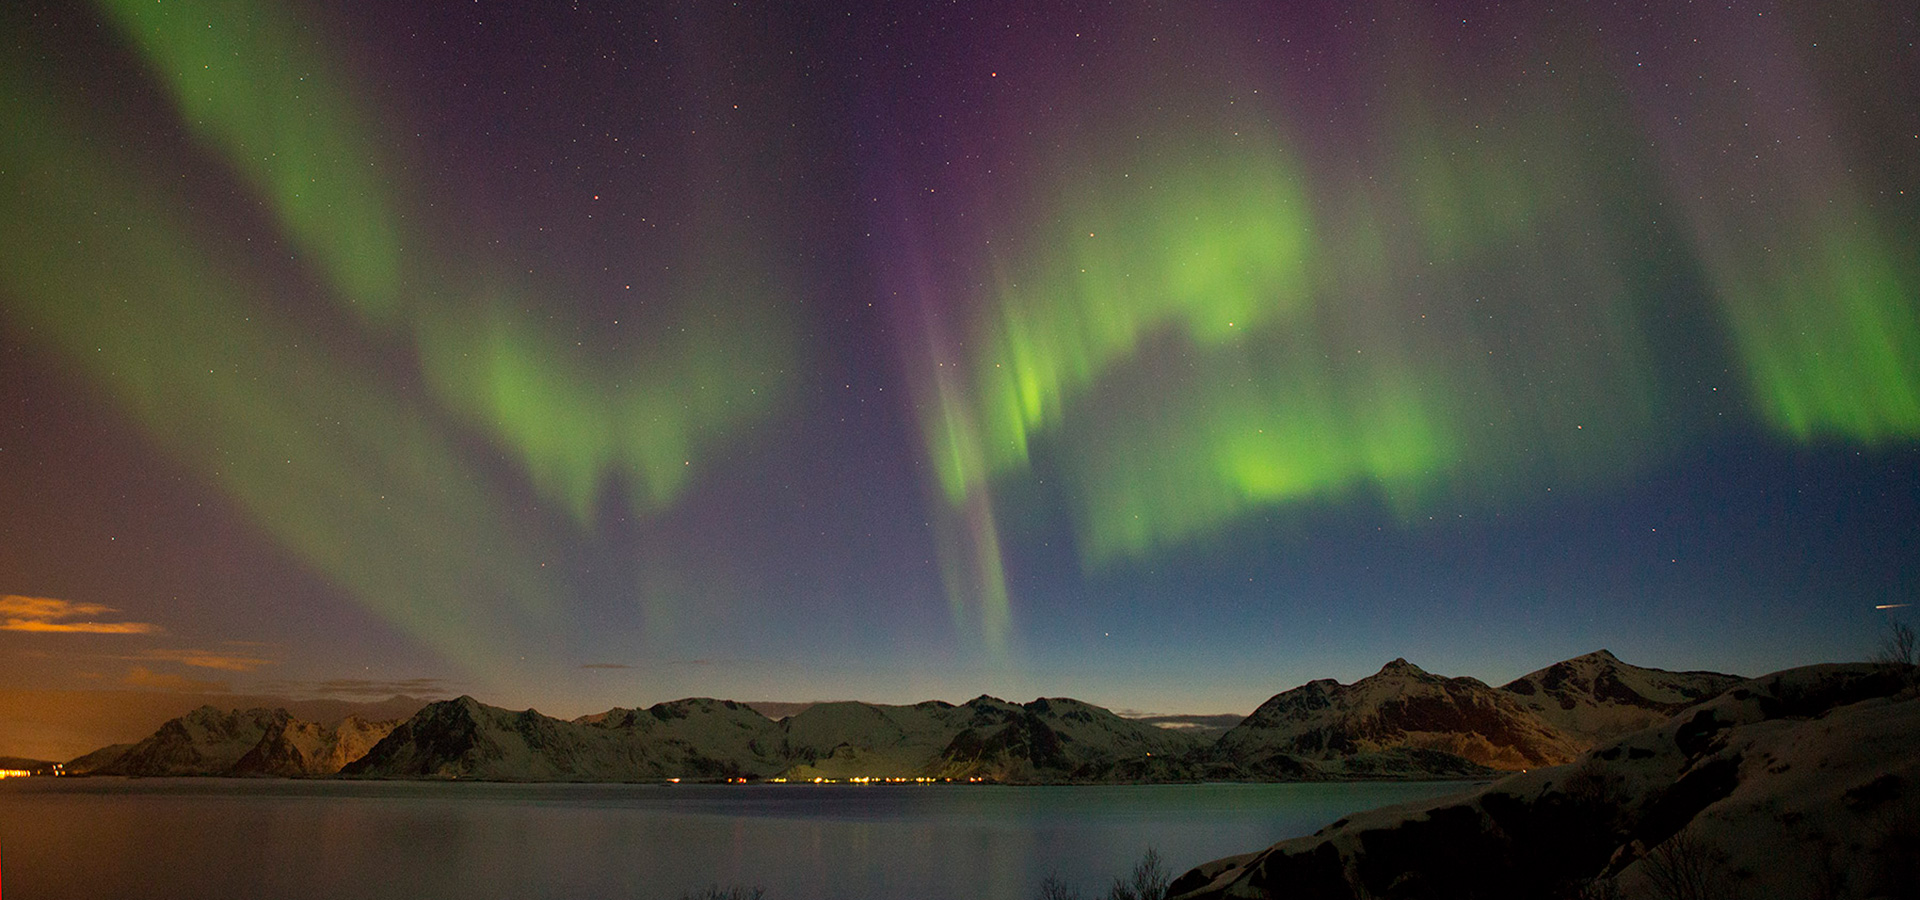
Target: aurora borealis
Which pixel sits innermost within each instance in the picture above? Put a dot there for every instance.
(1159, 355)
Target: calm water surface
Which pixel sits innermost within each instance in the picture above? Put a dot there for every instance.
(212, 838)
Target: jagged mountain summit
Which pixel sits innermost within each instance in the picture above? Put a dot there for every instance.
(1402, 720)
(1056, 738)
(1596, 697)
(208, 741)
(464, 738)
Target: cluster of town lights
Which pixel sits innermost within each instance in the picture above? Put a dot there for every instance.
(55, 769)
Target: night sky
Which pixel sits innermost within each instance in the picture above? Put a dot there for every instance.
(1161, 355)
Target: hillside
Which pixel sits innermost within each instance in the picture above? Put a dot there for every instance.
(26, 764)
(1804, 783)
(1596, 696)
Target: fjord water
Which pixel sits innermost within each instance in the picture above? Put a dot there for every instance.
(295, 840)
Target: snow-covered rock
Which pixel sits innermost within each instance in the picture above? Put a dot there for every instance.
(296, 748)
(1060, 739)
(1596, 697)
(208, 741)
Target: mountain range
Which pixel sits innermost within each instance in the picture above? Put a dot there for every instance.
(1401, 722)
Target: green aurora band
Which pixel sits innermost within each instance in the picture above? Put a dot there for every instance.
(1819, 292)
(254, 86)
(1209, 342)
(1206, 327)
(250, 82)
(319, 455)
(363, 481)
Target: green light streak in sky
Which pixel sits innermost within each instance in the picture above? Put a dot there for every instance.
(114, 275)
(575, 417)
(248, 79)
(253, 84)
(1830, 333)
(1243, 429)
(974, 574)
(1794, 223)
(1213, 244)
(1199, 333)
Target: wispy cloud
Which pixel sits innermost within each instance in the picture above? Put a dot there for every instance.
(374, 687)
(206, 659)
(47, 615)
(143, 677)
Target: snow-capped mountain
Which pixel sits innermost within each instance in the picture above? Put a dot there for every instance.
(1596, 697)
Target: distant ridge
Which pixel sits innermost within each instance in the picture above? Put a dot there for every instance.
(25, 764)
(1401, 722)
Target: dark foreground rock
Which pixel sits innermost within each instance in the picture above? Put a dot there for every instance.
(1805, 783)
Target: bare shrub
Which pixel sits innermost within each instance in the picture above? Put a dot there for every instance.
(1149, 881)
(1053, 887)
(1684, 867)
(1899, 646)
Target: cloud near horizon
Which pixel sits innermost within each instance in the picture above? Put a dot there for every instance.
(205, 659)
(368, 687)
(143, 677)
(43, 615)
